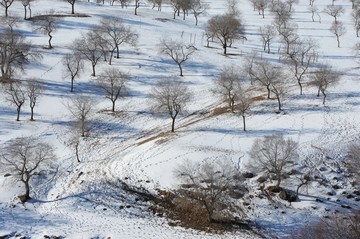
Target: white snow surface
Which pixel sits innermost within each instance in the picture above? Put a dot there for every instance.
(81, 200)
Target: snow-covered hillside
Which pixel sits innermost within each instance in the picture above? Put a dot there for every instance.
(134, 145)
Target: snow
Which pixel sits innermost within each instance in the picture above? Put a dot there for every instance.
(77, 201)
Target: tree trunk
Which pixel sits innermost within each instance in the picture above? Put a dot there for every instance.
(18, 113)
(338, 41)
(268, 90)
(93, 69)
(279, 102)
(73, 8)
(117, 52)
(181, 71)
(32, 113)
(173, 124)
(113, 106)
(244, 123)
(224, 46)
(72, 84)
(6, 11)
(25, 14)
(278, 175)
(324, 98)
(301, 88)
(27, 188)
(50, 38)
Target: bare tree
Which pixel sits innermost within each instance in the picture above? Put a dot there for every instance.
(335, 11)
(282, 13)
(265, 73)
(226, 28)
(137, 5)
(156, 3)
(74, 65)
(339, 225)
(15, 52)
(273, 153)
(288, 36)
(290, 3)
(323, 78)
(243, 105)
(16, 96)
(171, 96)
(208, 184)
(6, 4)
(314, 10)
(114, 83)
(90, 46)
(175, 4)
(261, 5)
(197, 8)
(72, 3)
(267, 33)
(27, 5)
(115, 34)
(355, 15)
(80, 107)
(301, 56)
(278, 86)
(228, 85)
(178, 51)
(47, 25)
(353, 161)
(25, 158)
(34, 88)
(338, 29)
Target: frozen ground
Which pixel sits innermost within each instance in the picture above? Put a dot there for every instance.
(82, 200)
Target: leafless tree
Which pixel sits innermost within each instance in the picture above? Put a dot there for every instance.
(288, 36)
(15, 52)
(261, 6)
(353, 161)
(47, 25)
(178, 51)
(124, 3)
(170, 96)
(116, 34)
(314, 10)
(114, 83)
(80, 107)
(25, 158)
(243, 105)
(197, 8)
(311, 2)
(72, 3)
(27, 5)
(338, 29)
(233, 8)
(282, 13)
(301, 56)
(34, 88)
(6, 4)
(74, 65)
(265, 73)
(91, 47)
(137, 5)
(279, 86)
(267, 33)
(355, 15)
(342, 225)
(226, 28)
(335, 11)
(16, 96)
(228, 85)
(290, 3)
(354, 3)
(323, 78)
(208, 184)
(156, 3)
(175, 4)
(273, 153)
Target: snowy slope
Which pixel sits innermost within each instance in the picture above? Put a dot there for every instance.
(82, 200)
